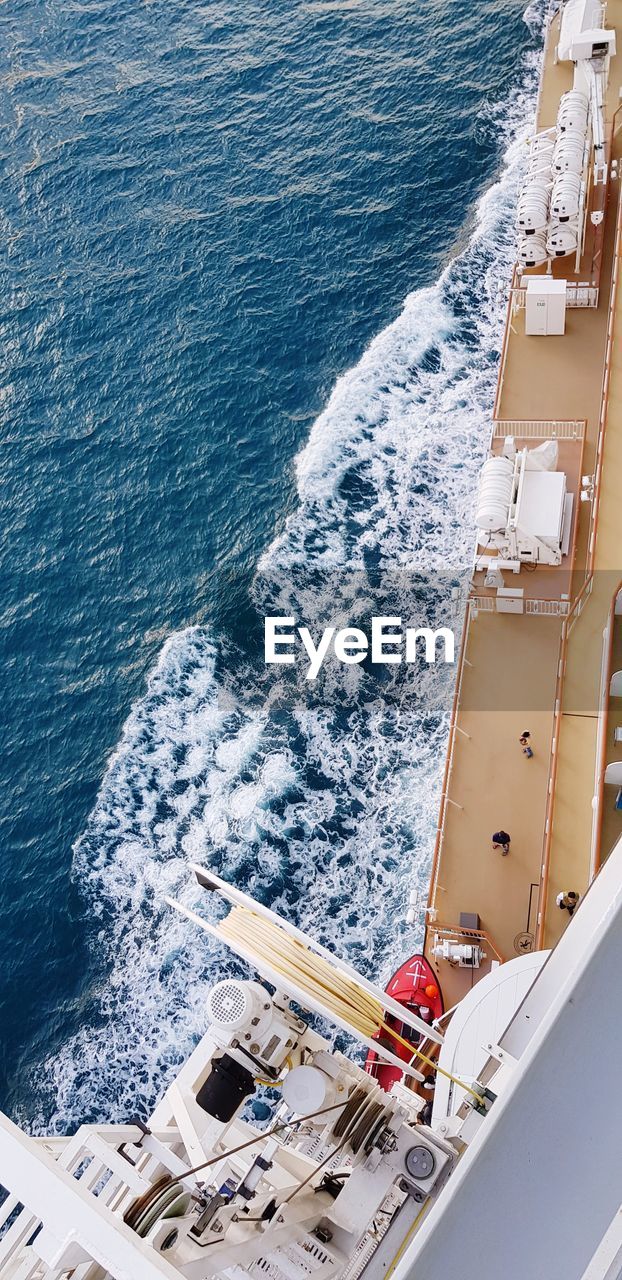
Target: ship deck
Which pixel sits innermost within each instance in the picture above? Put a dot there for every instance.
(541, 670)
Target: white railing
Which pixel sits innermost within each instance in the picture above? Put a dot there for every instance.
(557, 430)
(548, 608)
(449, 759)
(604, 406)
(83, 1194)
(581, 601)
(577, 295)
(481, 604)
(543, 608)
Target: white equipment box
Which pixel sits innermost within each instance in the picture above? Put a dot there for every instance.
(545, 306)
(541, 506)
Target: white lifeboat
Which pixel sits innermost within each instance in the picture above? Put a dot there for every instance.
(532, 250)
(533, 210)
(569, 152)
(495, 495)
(562, 240)
(573, 110)
(566, 197)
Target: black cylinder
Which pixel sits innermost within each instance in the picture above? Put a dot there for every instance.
(225, 1089)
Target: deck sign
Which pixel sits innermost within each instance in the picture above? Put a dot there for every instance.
(387, 644)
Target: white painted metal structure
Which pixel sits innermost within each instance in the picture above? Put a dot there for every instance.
(477, 1023)
(539, 1183)
(582, 35)
(524, 511)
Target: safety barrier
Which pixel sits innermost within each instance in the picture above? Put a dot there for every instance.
(541, 430)
(481, 604)
(548, 608)
(577, 295)
(449, 760)
(601, 740)
(542, 608)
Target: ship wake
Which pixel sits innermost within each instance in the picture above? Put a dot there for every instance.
(324, 806)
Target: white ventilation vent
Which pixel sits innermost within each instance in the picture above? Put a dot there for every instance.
(230, 1004)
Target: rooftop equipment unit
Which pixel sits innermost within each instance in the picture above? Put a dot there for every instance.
(495, 495)
(465, 955)
(569, 153)
(533, 209)
(524, 511)
(582, 34)
(545, 306)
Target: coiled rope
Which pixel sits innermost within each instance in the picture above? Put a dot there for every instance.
(273, 947)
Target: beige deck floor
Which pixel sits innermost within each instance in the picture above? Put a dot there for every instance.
(512, 661)
(508, 687)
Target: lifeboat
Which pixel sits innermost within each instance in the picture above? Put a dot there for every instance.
(573, 111)
(566, 197)
(532, 250)
(416, 986)
(562, 240)
(569, 151)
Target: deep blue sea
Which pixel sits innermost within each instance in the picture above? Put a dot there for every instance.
(252, 263)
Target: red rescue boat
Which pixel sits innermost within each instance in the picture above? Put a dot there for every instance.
(414, 985)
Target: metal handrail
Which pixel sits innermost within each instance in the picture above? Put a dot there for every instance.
(585, 296)
(449, 759)
(539, 429)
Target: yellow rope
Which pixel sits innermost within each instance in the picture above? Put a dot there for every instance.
(406, 1241)
(431, 1063)
(330, 987)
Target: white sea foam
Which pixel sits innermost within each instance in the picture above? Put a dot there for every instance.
(327, 807)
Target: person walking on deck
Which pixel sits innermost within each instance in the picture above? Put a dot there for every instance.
(525, 741)
(501, 840)
(567, 901)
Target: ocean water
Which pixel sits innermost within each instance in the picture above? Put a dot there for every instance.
(253, 261)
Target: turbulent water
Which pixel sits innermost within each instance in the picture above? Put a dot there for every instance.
(212, 213)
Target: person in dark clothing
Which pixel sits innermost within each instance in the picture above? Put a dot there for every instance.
(568, 901)
(501, 840)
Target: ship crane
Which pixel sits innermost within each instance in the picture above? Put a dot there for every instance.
(330, 1188)
(345, 1183)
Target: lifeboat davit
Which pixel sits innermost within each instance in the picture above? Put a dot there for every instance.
(415, 985)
